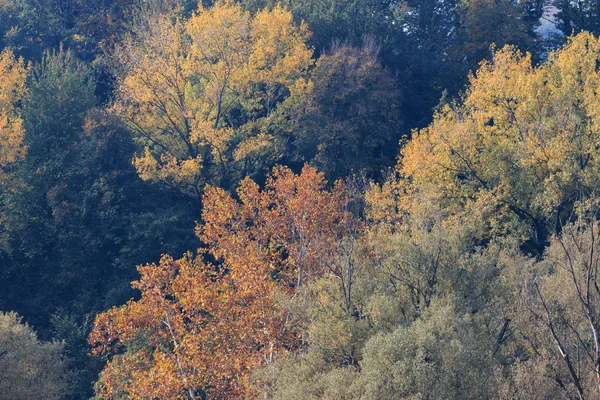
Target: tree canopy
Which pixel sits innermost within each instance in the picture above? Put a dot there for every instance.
(324, 199)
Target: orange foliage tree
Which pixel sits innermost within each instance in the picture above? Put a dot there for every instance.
(199, 328)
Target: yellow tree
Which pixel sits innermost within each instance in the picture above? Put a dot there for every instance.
(517, 154)
(199, 94)
(12, 90)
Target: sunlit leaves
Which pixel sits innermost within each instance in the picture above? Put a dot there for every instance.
(521, 146)
(202, 328)
(12, 91)
(198, 93)
(30, 368)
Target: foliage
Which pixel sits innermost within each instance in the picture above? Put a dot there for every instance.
(199, 327)
(469, 272)
(439, 356)
(190, 333)
(485, 23)
(575, 17)
(349, 119)
(331, 20)
(407, 286)
(12, 91)
(31, 27)
(198, 94)
(558, 310)
(29, 367)
(75, 215)
(520, 147)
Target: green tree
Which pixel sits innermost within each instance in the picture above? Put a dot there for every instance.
(337, 20)
(61, 92)
(486, 23)
(441, 355)
(577, 16)
(31, 27)
(30, 368)
(76, 216)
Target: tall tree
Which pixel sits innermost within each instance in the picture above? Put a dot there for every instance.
(349, 118)
(578, 16)
(558, 310)
(485, 23)
(198, 94)
(61, 91)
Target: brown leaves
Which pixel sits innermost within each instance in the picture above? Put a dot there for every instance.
(289, 228)
(190, 331)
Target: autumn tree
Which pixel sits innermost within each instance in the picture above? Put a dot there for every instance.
(511, 162)
(200, 328)
(30, 368)
(190, 335)
(198, 94)
(519, 150)
(416, 294)
(12, 91)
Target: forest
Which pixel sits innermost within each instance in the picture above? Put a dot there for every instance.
(299, 199)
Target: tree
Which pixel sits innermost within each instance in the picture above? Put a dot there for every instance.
(76, 216)
(31, 27)
(12, 92)
(575, 17)
(439, 356)
(200, 328)
(190, 335)
(519, 150)
(198, 94)
(486, 23)
(60, 93)
(558, 310)
(29, 367)
(350, 117)
(296, 221)
(338, 20)
(410, 283)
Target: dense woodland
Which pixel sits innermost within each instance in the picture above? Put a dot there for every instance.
(299, 199)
